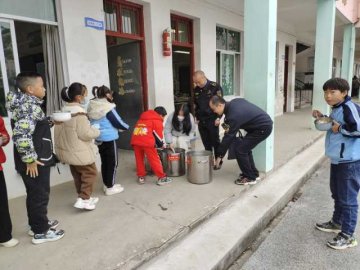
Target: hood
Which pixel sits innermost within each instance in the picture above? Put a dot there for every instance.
(73, 108)
(21, 105)
(98, 108)
(151, 115)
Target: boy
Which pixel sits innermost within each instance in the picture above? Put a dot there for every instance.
(342, 147)
(33, 153)
(147, 135)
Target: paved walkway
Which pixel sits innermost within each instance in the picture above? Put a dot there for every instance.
(295, 244)
(127, 228)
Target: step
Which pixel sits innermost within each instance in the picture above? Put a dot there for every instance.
(216, 243)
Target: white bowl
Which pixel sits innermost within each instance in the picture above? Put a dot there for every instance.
(61, 116)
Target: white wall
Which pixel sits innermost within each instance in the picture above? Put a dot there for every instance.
(86, 52)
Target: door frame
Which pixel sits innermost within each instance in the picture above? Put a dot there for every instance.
(140, 38)
(286, 76)
(190, 46)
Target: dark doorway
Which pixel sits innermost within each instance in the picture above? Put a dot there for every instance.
(182, 74)
(286, 77)
(124, 58)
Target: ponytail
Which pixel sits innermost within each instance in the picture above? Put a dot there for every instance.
(68, 94)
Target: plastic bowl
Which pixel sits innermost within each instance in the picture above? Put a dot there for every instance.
(323, 123)
(61, 116)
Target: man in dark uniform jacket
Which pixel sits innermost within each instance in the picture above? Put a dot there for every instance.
(241, 114)
(208, 121)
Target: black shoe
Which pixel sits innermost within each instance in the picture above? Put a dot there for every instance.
(329, 226)
(258, 178)
(342, 241)
(218, 167)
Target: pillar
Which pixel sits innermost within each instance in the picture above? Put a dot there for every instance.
(259, 67)
(325, 25)
(348, 53)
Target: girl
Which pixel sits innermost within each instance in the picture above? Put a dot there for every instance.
(102, 113)
(180, 127)
(74, 145)
(6, 239)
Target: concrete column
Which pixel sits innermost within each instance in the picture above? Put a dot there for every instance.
(325, 25)
(259, 67)
(348, 53)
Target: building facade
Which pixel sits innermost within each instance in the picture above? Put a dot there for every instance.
(126, 44)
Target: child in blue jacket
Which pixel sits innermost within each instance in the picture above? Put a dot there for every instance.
(342, 147)
(102, 114)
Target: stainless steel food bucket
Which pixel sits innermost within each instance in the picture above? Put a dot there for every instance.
(199, 167)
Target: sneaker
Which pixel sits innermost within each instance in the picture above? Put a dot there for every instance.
(94, 200)
(50, 236)
(163, 181)
(11, 243)
(329, 226)
(243, 181)
(141, 180)
(113, 190)
(258, 178)
(342, 241)
(53, 224)
(84, 204)
(105, 187)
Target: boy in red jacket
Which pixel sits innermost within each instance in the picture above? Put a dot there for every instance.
(147, 136)
(6, 239)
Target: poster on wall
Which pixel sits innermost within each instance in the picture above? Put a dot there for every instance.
(125, 79)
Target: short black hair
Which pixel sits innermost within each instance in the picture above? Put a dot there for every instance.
(216, 100)
(26, 78)
(160, 110)
(337, 84)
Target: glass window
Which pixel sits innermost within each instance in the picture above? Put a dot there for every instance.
(233, 41)
(220, 38)
(129, 21)
(110, 17)
(36, 9)
(227, 77)
(173, 30)
(9, 63)
(228, 60)
(183, 32)
(227, 39)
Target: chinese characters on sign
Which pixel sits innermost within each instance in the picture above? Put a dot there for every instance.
(125, 75)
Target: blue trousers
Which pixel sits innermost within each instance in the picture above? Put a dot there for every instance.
(344, 186)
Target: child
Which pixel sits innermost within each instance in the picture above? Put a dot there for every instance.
(6, 239)
(74, 145)
(147, 135)
(33, 153)
(180, 127)
(342, 147)
(102, 113)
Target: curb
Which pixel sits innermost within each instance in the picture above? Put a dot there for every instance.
(216, 243)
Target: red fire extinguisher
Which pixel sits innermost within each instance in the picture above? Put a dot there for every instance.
(166, 41)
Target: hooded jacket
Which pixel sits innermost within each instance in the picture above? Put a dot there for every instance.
(148, 131)
(74, 138)
(343, 146)
(31, 132)
(103, 114)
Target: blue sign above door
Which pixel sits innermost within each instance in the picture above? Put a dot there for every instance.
(92, 23)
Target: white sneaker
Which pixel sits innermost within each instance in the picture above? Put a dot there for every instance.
(11, 243)
(113, 190)
(84, 204)
(115, 185)
(94, 200)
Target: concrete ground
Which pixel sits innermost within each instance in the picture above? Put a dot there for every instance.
(135, 225)
(295, 243)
